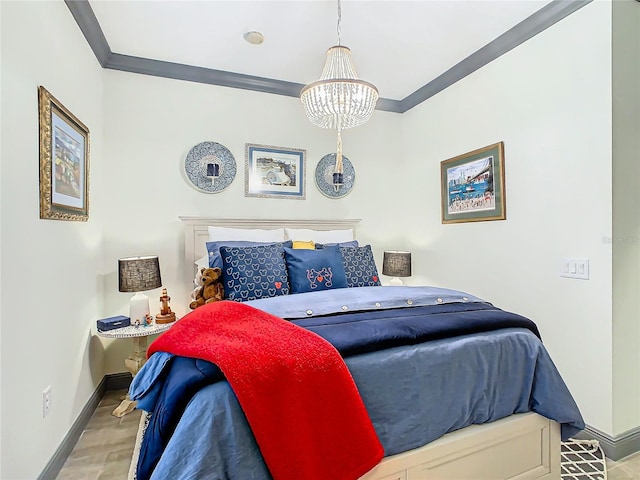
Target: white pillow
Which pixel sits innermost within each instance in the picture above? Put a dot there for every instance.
(217, 234)
(320, 236)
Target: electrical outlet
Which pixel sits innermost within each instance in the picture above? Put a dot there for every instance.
(46, 401)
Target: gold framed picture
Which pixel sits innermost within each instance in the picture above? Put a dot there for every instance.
(64, 161)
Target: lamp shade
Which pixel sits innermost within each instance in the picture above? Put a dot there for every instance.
(137, 274)
(396, 263)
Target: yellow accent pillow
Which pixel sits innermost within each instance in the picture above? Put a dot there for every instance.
(304, 245)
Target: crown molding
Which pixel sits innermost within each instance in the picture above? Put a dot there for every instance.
(547, 16)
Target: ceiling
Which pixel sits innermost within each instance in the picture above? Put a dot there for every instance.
(399, 46)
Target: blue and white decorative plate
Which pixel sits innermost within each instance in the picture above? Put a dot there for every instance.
(210, 167)
(324, 176)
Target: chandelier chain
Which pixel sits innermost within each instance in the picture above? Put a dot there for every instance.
(339, 27)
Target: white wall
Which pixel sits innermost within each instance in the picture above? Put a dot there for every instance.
(626, 215)
(49, 284)
(151, 124)
(549, 100)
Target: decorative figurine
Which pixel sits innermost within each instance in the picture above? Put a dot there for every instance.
(165, 315)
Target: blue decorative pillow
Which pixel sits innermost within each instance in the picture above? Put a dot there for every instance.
(315, 270)
(360, 267)
(249, 273)
(352, 243)
(213, 248)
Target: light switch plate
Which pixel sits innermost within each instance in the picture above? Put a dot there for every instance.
(574, 267)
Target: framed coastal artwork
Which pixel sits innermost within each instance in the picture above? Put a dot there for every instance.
(274, 172)
(64, 161)
(472, 186)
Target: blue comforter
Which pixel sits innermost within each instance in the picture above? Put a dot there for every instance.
(480, 364)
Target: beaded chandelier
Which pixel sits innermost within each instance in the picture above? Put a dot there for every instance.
(339, 99)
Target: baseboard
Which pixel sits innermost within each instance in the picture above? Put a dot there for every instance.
(616, 447)
(116, 381)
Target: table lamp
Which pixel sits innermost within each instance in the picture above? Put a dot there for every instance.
(396, 264)
(138, 274)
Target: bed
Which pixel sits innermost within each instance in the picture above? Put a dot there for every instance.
(499, 410)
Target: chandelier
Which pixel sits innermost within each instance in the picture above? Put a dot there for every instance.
(339, 99)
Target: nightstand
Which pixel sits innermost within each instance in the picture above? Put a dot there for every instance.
(138, 356)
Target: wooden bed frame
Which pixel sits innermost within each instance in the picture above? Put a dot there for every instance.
(519, 447)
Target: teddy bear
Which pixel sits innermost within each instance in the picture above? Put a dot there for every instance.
(211, 289)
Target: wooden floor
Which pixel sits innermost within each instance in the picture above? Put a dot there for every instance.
(104, 449)
(625, 469)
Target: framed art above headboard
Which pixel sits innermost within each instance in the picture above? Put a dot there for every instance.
(196, 232)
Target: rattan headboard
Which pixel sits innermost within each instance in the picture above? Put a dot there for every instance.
(196, 232)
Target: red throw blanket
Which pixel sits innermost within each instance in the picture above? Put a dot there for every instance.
(298, 396)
